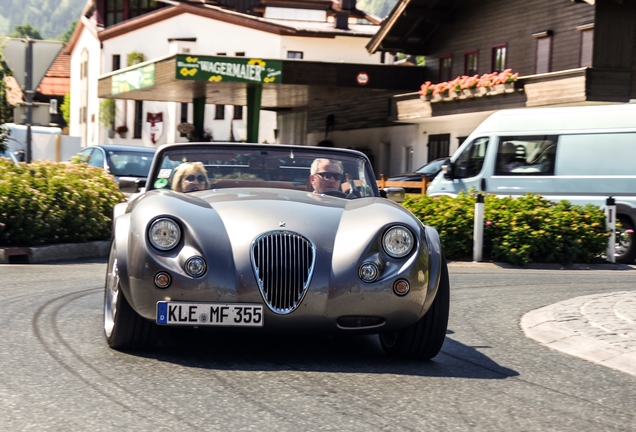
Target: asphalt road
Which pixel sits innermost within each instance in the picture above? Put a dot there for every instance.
(58, 374)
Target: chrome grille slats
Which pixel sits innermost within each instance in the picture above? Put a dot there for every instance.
(283, 263)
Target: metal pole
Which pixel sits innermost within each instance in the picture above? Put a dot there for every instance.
(610, 223)
(28, 90)
(478, 229)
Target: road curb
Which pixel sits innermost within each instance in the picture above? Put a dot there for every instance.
(58, 252)
(542, 266)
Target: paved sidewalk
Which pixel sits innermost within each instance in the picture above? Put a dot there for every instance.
(600, 328)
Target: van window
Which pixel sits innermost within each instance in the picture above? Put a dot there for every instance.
(526, 155)
(471, 159)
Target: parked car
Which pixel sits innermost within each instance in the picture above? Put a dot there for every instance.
(430, 171)
(259, 250)
(9, 155)
(125, 162)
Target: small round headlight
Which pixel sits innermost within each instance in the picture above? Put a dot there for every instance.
(398, 241)
(368, 272)
(164, 234)
(195, 266)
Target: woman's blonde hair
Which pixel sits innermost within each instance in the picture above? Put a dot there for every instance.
(184, 170)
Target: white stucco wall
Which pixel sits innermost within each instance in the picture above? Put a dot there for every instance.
(86, 41)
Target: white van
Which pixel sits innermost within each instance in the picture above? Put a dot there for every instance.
(581, 154)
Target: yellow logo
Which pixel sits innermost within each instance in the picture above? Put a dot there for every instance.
(191, 59)
(215, 78)
(258, 62)
(269, 79)
(186, 72)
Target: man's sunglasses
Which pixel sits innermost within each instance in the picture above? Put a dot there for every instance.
(330, 175)
(200, 178)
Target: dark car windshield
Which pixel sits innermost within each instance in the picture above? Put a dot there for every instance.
(129, 163)
(431, 167)
(227, 166)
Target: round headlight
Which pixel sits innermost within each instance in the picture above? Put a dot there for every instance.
(195, 266)
(398, 241)
(164, 234)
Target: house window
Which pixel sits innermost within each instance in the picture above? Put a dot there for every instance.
(587, 42)
(139, 115)
(219, 112)
(438, 146)
(184, 117)
(238, 112)
(445, 68)
(543, 52)
(295, 55)
(499, 53)
(116, 62)
(470, 63)
(117, 11)
(114, 12)
(240, 54)
(221, 53)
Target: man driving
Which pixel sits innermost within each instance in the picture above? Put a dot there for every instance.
(326, 175)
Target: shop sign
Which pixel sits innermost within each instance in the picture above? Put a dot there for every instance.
(134, 79)
(229, 69)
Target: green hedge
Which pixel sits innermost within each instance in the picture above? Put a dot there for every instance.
(49, 202)
(516, 230)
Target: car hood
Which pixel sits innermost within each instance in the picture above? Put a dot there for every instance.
(247, 213)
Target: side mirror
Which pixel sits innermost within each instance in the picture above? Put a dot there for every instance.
(395, 194)
(448, 169)
(131, 185)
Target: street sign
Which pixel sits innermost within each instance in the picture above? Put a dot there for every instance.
(44, 53)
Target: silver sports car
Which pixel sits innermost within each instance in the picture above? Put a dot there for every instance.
(273, 238)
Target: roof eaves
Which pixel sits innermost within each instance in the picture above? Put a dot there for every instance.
(386, 26)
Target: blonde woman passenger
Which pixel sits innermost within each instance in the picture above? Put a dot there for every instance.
(189, 177)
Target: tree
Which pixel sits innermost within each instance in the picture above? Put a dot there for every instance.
(66, 108)
(25, 31)
(66, 37)
(5, 112)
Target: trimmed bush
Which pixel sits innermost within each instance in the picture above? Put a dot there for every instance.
(517, 230)
(49, 202)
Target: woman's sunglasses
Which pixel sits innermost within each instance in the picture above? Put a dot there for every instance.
(330, 175)
(200, 178)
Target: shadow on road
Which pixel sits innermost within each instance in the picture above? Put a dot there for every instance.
(342, 354)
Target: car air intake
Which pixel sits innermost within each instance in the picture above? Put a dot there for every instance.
(283, 263)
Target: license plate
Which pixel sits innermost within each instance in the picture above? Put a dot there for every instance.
(210, 314)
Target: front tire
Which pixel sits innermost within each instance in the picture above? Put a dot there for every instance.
(123, 327)
(424, 339)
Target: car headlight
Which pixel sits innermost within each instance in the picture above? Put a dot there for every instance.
(164, 234)
(398, 241)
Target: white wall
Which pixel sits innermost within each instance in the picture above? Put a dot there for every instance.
(86, 41)
(386, 144)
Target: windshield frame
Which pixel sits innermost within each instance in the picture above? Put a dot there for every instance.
(168, 156)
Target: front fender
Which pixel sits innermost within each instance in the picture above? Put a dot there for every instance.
(434, 265)
(121, 232)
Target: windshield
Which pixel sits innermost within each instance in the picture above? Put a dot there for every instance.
(129, 163)
(432, 167)
(200, 166)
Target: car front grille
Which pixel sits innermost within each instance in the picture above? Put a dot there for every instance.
(283, 263)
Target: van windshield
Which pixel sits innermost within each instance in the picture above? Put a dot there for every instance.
(471, 159)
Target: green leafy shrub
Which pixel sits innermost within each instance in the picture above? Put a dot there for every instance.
(516, 230)
(49, 202)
